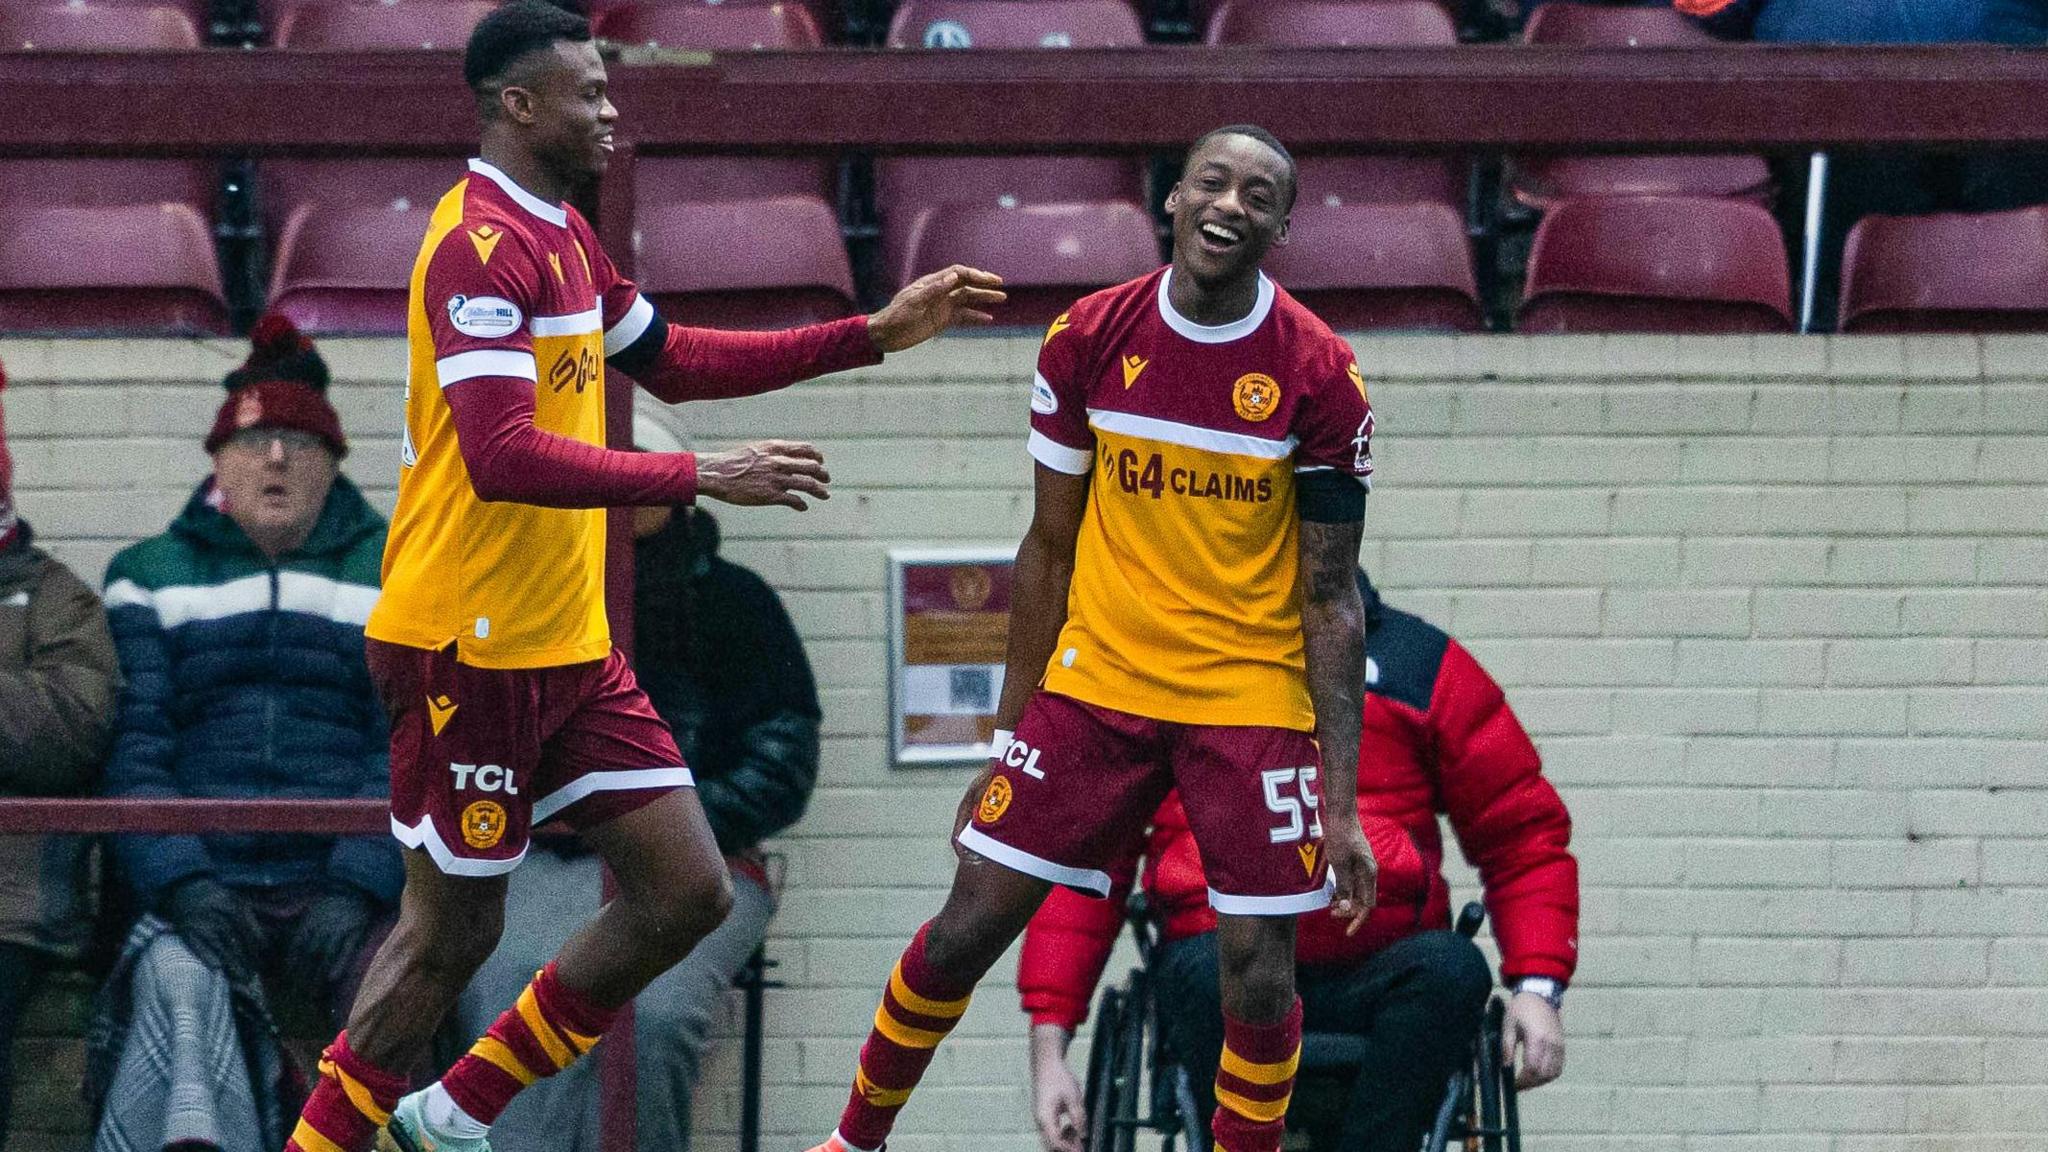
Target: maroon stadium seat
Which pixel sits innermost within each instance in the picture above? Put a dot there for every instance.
(821, 12)
(349, 25)
(136, 268)
(762, 263)
(909, 191)
(668, 179)
(88, 27)
(1617, 25)
(1952, 272)
(1404, 266)
(1049, 254)
(103, 183)
(346, 268)
(1334, 181)
(1332, 23)
(1340, 23)
(714, 28)
(1015, 24)
(1544, 181)
(285, 186)
(1657, 264)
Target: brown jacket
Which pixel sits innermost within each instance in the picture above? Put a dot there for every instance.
(58, 677)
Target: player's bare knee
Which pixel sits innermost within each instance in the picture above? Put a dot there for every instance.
(674, 921)
(958, 946)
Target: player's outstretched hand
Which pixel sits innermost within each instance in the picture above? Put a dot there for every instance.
(766, 472)
(1357, 873)
(933, 303)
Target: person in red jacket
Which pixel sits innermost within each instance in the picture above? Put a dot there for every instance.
(1438, 738)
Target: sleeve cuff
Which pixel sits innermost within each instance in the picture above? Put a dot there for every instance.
(1058, 456)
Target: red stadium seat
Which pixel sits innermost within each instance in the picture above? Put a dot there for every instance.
(352, 25)
(1952, 272)
(1347, 23)
(908, 191)
(1015, 24)
(1544, 181)
(97, 27)
(1398, 266)
(762, 263)
(668, 179)
(346, 268)
(713, 28)
(821, 12)
(104, 183)
(137, 268)
(285, 186)
(1332, 23)
(1620, 26)
(1657, 264)
(1048, 254)
(1334, 181)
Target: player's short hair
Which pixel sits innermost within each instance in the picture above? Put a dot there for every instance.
(510, 33)
(1263, 137)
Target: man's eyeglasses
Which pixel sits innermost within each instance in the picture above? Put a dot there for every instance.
(260, 439)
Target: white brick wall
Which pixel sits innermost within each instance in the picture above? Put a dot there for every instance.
(1775, 609)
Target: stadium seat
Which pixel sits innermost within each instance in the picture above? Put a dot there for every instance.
(1332, 23)
(104, 183)
(1952, 272)
(1049, 254)
(669, 179)
(285, 186)
(714, 28)
(354, 25)
(1621, 26)
(97, 27)
(1544, 181)
(345, 268)
(1015, 24)
(1345, 23)
(823, 13)
(1657, 264)
(135, 268)
(1381, 266)
(910, 191)
(761, 263)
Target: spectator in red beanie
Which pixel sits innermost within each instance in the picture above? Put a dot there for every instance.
(1438, 738)
(57, 675)
(240, 631)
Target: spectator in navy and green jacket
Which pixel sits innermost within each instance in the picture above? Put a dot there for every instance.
(240, 634)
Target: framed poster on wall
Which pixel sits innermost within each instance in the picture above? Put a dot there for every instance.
(949, 618)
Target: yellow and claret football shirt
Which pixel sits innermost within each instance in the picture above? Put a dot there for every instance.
(1183, 606)
(506, 285)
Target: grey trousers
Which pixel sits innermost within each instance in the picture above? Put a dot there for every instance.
(549, 899)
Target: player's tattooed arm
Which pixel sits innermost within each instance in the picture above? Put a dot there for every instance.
(1333, 636)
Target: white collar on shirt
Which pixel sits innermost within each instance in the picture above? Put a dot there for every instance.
(552, 213)
(1218, 333)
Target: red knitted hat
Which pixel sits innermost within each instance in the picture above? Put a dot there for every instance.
(283, 384)
(277, 404)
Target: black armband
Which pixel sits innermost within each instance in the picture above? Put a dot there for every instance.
(1327, 496)
(645, 350)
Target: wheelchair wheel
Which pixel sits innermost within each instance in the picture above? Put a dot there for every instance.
(1130, 1065)
(1097, 1096)
(1495, 1102)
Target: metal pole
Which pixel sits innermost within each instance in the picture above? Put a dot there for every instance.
(1816, 202)
(755, 982)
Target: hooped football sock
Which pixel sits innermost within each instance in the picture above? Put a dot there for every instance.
(1254, 1082)
(918, 1009)
(545, 1032)
(352, 1099)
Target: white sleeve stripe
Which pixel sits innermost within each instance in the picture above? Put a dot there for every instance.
(575, 325)
(488, 362)
(630, 327)
(1059, 457)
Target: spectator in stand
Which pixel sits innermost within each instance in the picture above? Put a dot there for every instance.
(1439, 738)
(1893, 183)
(723, 666)
(57, 681)
(240, 632)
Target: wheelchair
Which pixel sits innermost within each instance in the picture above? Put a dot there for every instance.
(1135, 1083)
